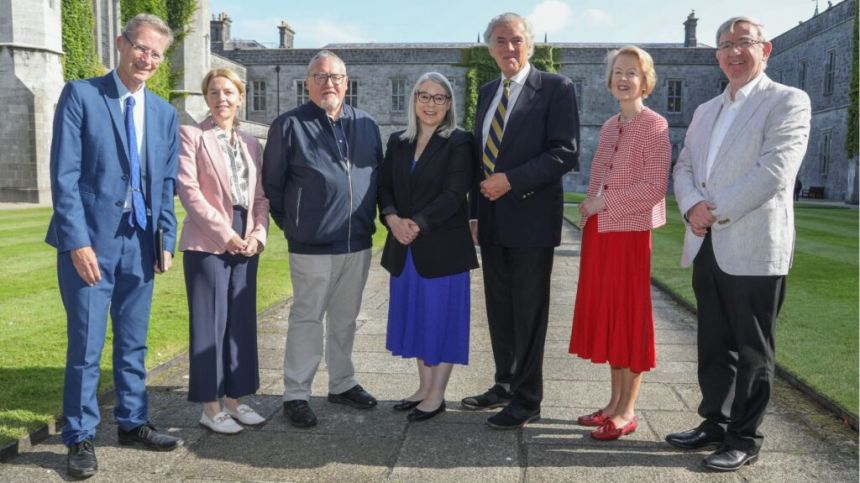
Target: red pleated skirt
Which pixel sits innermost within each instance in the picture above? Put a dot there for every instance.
(613, 320)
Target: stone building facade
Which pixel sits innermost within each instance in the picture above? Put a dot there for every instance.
(816, 56)
(381, 77)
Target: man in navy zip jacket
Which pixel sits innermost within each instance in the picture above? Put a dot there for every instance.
(319, 173)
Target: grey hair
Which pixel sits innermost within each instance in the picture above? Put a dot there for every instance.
(729, 26)
(323, 54)
(447, 126)
(147, 20)
(510, 17)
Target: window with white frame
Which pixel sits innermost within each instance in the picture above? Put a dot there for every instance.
(302, 95)
(258, 95)
(398, 95)
(352, 94)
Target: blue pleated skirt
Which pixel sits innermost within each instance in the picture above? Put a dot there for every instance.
(428, 318)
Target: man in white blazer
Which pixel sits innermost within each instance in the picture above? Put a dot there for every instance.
(733, 183)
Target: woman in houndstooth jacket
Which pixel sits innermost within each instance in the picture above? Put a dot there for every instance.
(613, 320)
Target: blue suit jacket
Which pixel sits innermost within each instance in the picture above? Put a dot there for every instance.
(539, 145)
(90, 167)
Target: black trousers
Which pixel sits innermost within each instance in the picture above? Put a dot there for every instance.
(516, 287)
(736, 322)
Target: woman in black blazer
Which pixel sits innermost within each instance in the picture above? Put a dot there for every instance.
(422, 200)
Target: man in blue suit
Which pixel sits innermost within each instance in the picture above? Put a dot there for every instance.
(114, 157)
(527, 130)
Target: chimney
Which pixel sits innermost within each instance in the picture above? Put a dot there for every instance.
(286, 35)
(690, 30)
(219, 28)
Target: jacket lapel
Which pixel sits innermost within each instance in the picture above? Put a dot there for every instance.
(482, 110)
(215, 155)
(709, 119)
(111, 98)
(744, 115)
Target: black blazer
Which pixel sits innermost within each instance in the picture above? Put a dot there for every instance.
(434, 196)
(539, 145)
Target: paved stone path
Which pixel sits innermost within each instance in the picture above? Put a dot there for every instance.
(802, 442)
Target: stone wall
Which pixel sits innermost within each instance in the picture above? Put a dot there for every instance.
(811, 42)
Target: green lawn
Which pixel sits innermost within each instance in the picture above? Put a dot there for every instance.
(33, 328)
(817, 328)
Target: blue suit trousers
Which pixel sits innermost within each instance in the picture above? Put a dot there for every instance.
(125, 290)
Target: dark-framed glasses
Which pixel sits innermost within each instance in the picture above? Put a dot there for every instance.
(425, 97)
(153, 55)
(743, 44)
(322, 77)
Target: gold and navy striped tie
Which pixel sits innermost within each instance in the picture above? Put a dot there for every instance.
(497, 128)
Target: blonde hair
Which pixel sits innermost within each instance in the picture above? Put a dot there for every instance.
(646, 63)
(225, 73)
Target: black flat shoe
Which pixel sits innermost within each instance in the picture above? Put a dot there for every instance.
(356, 397)
(513, 417)
(405, 405)
(495, 397)
(419, 415)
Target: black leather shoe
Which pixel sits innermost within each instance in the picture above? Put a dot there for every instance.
(81, 462)
(147, 436)
(356, 397)
(299, 412)
(728, 459)
(405, 405)
(695, 438)
(419, 415)
(495, 397)
(513, 417)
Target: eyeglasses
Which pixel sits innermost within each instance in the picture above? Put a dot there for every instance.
(322, 77)
(153, 55)
(438, 99)
(743, 44)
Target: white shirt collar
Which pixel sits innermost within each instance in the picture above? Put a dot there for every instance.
(123, 91)
(520, 77)
(743, 92)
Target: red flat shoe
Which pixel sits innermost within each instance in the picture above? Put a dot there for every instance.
(608, 432)
(597, 418)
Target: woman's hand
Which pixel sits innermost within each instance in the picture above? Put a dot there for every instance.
(252, 247)
(591, 205)
(236, 245)
(403, 229)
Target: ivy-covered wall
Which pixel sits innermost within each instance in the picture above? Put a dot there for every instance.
(481, 68)
(80, 61)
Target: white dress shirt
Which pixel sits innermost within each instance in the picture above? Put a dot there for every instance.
(139, 109)
(728, 111)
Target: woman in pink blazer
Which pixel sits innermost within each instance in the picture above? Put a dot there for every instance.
(224, 231)
(613, 320)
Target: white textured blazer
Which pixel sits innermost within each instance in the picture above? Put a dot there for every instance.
(751, 182)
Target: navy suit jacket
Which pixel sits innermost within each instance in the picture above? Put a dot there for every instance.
(90, 166)
(539, 145)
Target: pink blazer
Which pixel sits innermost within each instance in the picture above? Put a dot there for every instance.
(204, 190)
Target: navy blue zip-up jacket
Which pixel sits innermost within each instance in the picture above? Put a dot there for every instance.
(324, 203)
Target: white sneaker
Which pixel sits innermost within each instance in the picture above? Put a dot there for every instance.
(245, 415)
(220, 423)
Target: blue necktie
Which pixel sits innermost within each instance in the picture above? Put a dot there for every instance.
(138, 206)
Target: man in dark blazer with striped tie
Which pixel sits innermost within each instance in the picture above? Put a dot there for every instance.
(527, 138)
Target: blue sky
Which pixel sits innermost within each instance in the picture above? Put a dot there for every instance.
(319, 22)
